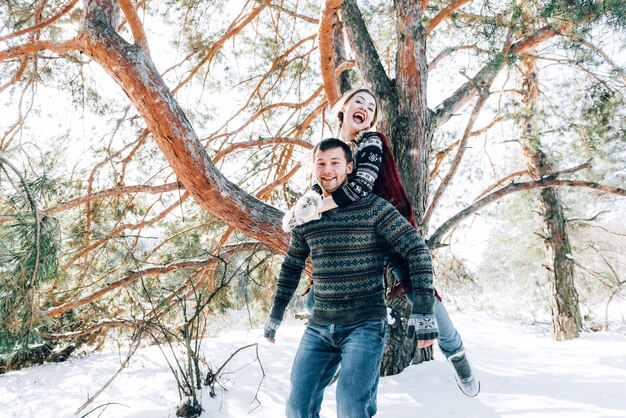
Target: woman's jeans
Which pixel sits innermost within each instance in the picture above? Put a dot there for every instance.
(449, 339)
(359, 350)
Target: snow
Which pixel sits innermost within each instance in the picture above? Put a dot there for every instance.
(523, 372)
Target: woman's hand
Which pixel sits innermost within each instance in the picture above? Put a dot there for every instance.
(305, 210)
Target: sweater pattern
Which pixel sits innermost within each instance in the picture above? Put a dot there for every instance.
(348, 248)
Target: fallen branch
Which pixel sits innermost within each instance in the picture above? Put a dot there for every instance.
(90, 399)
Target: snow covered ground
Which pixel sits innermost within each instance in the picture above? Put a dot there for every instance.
(524, 374)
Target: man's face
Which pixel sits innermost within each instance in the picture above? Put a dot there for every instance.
(331, 169)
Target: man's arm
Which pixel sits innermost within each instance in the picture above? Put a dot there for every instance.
(401, 235)
(288, 279)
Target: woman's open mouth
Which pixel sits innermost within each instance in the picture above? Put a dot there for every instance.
(358, 117)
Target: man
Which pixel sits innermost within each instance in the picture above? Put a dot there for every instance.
(348, 324)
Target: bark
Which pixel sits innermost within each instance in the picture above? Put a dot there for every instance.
(327, 30)
(566, 317)
(563, 297)
(342, 65)
(412, 128)
(134, 71)
(399, 349)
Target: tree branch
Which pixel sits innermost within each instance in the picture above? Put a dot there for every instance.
(38, 46)
(435, 240)
(289, 12)
(367, 59)
(445, 14)
(133, 275)
(616, 68)
(43, 24)
(444, 111)
(57, 311)
(264, 109)
(216, 46)
(502, 181)
(90, 247)
(18, 74)
(115, 191)
(135, 24)
(262, 194)
(259, 143)
(456, 162)
(135, 72)
(326, 40)
(443, 54)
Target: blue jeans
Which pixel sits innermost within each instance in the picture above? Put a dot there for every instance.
(358, 348)
(449, 339)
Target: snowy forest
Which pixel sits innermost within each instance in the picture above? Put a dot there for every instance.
(149, 149)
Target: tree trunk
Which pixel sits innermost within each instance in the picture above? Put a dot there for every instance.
(412, 130)
(410, 138)
(566, 318)
(399, 349)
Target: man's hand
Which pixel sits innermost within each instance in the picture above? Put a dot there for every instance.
(424, 343)
(269, 332)
(305, 210)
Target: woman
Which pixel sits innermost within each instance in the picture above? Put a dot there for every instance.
(376, 172)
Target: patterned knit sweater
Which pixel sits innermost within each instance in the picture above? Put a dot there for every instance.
(347, 247)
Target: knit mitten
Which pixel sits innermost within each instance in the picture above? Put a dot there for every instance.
(425, 326)
(305, 210)
(269, 331)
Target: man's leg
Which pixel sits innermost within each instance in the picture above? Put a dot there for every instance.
(362, 348)
(313, 368)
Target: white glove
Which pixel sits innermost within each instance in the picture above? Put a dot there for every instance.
(305, 210)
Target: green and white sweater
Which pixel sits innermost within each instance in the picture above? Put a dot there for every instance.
(347, 247)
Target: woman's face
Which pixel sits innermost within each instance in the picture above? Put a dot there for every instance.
(359, 112)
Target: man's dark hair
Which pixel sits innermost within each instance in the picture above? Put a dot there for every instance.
(330, 143)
